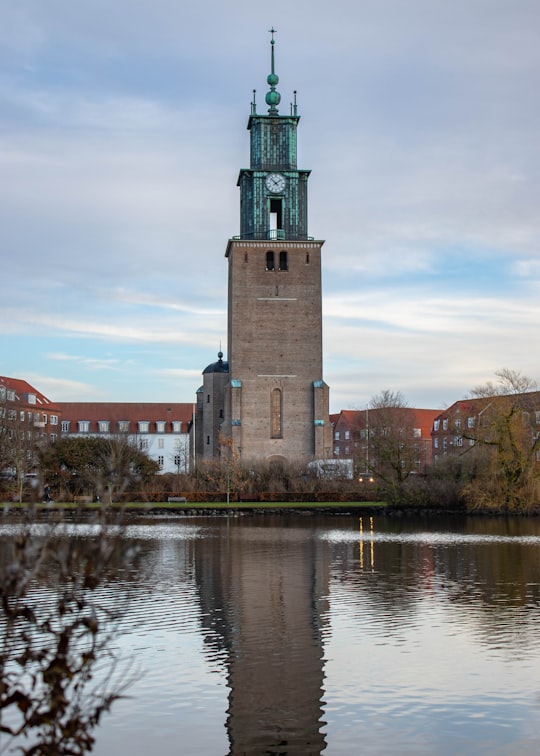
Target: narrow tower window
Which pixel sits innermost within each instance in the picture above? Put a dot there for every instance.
(270, 260)
(283, 261)
(276, 412)
(276, 220)
(307, 258)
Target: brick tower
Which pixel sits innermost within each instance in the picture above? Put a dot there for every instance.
(276, 402)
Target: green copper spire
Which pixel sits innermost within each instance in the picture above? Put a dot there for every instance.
(273, 97)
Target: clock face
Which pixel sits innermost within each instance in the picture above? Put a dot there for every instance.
(275, 182)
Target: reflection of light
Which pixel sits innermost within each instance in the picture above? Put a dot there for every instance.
(372, 551)
(361, 545)
(371, 541)
(369, 480)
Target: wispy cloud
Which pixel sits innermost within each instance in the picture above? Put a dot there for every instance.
(120, 151)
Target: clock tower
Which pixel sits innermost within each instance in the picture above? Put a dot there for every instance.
(276, 402)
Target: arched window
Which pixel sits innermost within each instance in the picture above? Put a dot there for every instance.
(276, 407)
(270, 260)
(283, 261)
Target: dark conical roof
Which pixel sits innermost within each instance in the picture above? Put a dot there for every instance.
(217, 367)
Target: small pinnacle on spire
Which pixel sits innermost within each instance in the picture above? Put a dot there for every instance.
(273, 97)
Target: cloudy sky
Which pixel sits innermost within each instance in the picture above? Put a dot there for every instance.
(122, 130)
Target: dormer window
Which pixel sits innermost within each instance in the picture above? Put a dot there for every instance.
(144, 426)
(160, 426)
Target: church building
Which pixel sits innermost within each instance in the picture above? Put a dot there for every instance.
(269, 402)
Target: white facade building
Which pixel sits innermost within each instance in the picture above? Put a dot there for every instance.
(158, 428)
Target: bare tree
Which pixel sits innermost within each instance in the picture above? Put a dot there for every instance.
(508, 382)
(58, 673)
(506, 435)
(392, 445)
(19, 443)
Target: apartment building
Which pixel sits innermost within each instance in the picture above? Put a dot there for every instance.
(158, 428)
(26, 417)
(357, 433)
(470, 421)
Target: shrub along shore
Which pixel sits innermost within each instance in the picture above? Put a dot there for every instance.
(203, 507)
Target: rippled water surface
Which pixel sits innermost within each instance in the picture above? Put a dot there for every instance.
(309, 635)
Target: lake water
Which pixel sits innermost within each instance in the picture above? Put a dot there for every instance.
(299, 634)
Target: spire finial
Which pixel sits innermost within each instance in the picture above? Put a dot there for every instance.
(273, 98)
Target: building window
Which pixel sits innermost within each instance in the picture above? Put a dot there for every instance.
(458, 441)
(275, 413)
(336, 435)
(143, 443)
(177, 426)
(435, 443)
(470, 422)
(283, 264)
(347, 435)
(336, 451)
(177, 460)
(436, 424)
(161, 443)
(10, 395)
(208, 440)
(84, 426)
(53, 436)
(208, 399)
(103, 426)
(417, 432)
(31, 398)
(143, 426)
(65, 426)
(21, 416)
(346, 450)
(160, 426)
(276, 221)
(123, 426)
(307, 258)
(44, 419)
(270, 260)
(445, 424)
(457, 422)
(53, 419)
(161, 462)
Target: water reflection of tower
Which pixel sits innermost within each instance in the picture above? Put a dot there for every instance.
(264, 592)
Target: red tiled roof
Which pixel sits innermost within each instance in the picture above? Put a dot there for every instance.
(357, 419)
(23, 388)
(126, 411)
